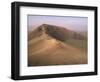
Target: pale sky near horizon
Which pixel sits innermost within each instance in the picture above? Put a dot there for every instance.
(72, 23)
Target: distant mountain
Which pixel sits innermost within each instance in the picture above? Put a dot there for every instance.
(59, 33)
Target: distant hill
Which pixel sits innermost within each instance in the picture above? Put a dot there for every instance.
(56, 32)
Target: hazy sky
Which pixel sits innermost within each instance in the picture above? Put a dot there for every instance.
(72, 23)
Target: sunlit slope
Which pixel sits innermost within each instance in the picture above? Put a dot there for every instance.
(49, 51)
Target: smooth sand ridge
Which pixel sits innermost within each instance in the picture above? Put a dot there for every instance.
(46, 50)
